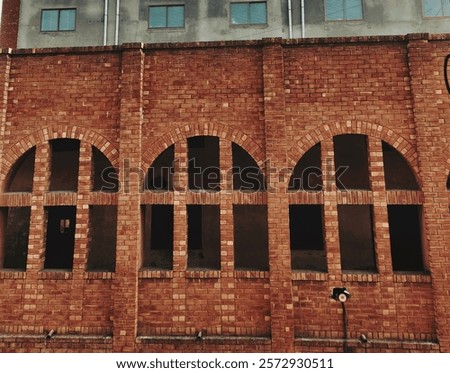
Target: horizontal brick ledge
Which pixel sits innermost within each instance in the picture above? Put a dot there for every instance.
(72, 338)
(374, 343)
(207, 339)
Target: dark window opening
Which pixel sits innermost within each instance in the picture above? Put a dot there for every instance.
(160, 174)
(307, 237)
(105, 176)
(351, 161)
(247, 176)
(203, 236)
(356, 237)
(251, 242)
(405, 229)
(307, 173)
(157, 236)
(20, 179)
(103, 238)
(15, 227)
(60, 239)
(448, 182)
(204, 171)
(64, 165)
(397, 173)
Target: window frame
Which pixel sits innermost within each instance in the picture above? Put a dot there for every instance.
(59, 10)
(425, 16)
(166, 8)
(248, 3)
(345, 18)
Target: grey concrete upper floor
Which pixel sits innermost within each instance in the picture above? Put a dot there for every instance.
(212, 20)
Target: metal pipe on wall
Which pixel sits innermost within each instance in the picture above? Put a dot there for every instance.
(303, 18)
(290, 18)
(116, 32)
(105, 23)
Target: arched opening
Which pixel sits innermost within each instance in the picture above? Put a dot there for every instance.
(307, 174)
(20, 178)
(247, 176)
(105, 176)
(160, 174)
(397, 173)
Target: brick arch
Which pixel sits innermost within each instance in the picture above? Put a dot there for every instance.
(203, 129)
(362, 128)
(15, 151)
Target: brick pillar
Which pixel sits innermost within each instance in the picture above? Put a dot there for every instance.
(227, 281)
(282, 310)
(430, 151)
(9, 29)
(36, 242)
(5, 69)
(81, 238)
(180, 239)
(128, 225)
(381, 235)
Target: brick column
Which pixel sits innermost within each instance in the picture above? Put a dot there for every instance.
(180, 239)
(432, 169)
(282, 310)
(331, 223)
(5, 69)
(381, 235)
(81, 237)
(36, 242)
(9, 29)
(128, 226)
(227, 282)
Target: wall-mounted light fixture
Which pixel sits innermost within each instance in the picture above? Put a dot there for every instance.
(342, 295)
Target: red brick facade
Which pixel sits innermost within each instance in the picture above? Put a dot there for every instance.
(276, 99)
(9, 26)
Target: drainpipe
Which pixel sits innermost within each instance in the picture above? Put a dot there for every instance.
(116, 34)
(303, 19)
(105, 23)
(290, 18)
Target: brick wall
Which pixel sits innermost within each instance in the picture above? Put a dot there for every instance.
(9, 29)
(274, 98)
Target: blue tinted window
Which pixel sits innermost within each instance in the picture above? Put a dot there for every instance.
(175, 16)
(49, 20)
(338, 10)
(67, 19)
(58, 20)
(166, 16)
(249, 13)
(436, 8)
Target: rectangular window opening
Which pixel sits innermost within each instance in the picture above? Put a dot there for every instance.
(307, 238)
(166, 16)
(60, 237)
(203, 236)
(356, 238)
(14, 229)
(251, 242)
(65, 155)
(248, 13)
(343, 10)
(157, 223)
(351, 162)
(53, 20)
(436, 8)
(103, 238)
(405, 229)
(203, 169)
